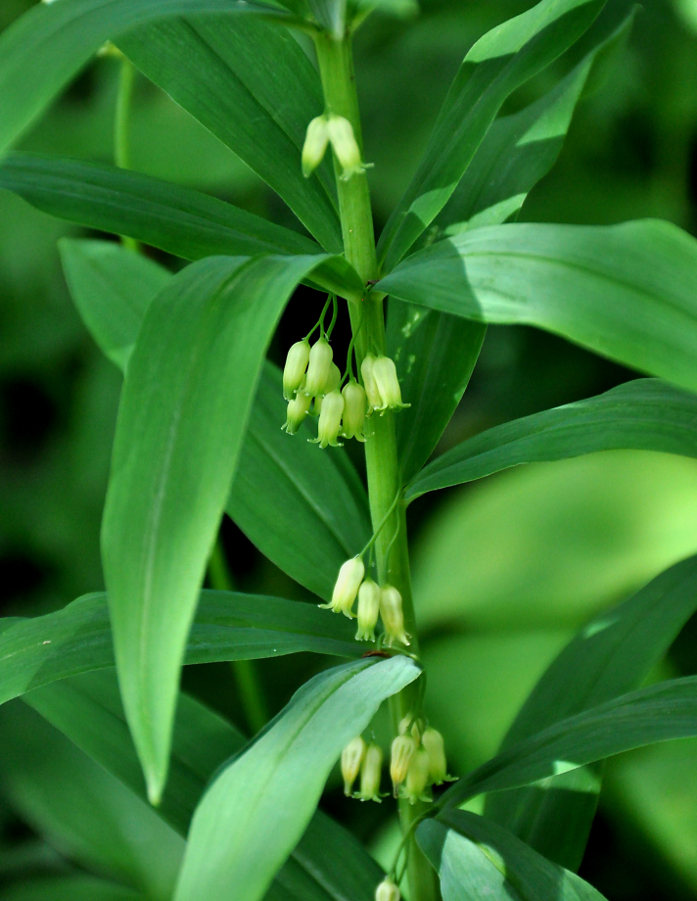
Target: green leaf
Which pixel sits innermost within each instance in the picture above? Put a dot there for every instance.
(475, 858)
(252, 86)
(228, 626)
(300, 506)
(611, 655)
(435, 355)
(87, 709)
(64, 36)
(519, 149)
(181, 221)
(625, 291)
(68, 888)
(496, 65)
(232, 852)
(185, 402)
(645, 414)
(82, 810)
(284, 490)
(660, 712)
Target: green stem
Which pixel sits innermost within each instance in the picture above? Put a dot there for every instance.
(382, 465)
(122, 138)
(251, 698)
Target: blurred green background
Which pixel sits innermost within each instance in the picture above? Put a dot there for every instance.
(504, 570)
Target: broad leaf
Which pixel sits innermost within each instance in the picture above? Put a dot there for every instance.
(612, 654)
(184, 407)
(625, 291)
(82, 810)
(645, 414)
(252, 86)
(231, 852)
(496, 65)
(228, 626)
(475, 858)
(660, 712)
(87, 709)
(435, 355)
(284, 489)
(181, 221)
(64, 36)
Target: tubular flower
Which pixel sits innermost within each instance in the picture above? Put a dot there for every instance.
(418, 777)
(354, 411)
(294, 371)
(346, 587)
(387, 891)
(392, 615)
(351, 760)
(401, 752)
(345, 146)
(371, 386)
(370, 774)
(333, 382)
(368, 610)
(385, 375)
(329, 424)
(316, 140)
(318, 368)
(434, 746)
(296, 412)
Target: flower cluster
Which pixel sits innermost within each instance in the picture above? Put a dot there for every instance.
(311, 383)
(374, 602)
(366, 759)
(417, 760)
(382, 389)
(337, 131)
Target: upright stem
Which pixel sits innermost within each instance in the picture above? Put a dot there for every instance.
(122, 136)
(382, 464)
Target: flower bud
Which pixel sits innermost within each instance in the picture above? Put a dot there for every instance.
(354, 411)
(434, 746)
(318, 368)
(418, 777)
(351, 759)
(329, 424)
(294, 370)
(296, 412)
(316, 140)
(401, 752)
(333, 382)
(368, 610)
(371, 386)
(387, 891)
(385, 375)
(345, 146)
(346, 586)
(370, 774)
(392, 615)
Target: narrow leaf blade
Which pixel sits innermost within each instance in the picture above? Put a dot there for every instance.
(231, 851)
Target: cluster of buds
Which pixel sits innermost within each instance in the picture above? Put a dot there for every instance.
(337, 131)
(311, 383)
(417, 761)
(382, 389)
(374, 602)
(366, 759)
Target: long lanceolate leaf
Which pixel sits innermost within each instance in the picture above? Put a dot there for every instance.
(664, 711)
(625, 291)
(645, 414)
(306, 511)
(253, 814)
(252, 85)
(185, 403)
(475, 858)
(228, 626)
(64, 36)
(612, 654)
(497, 64)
